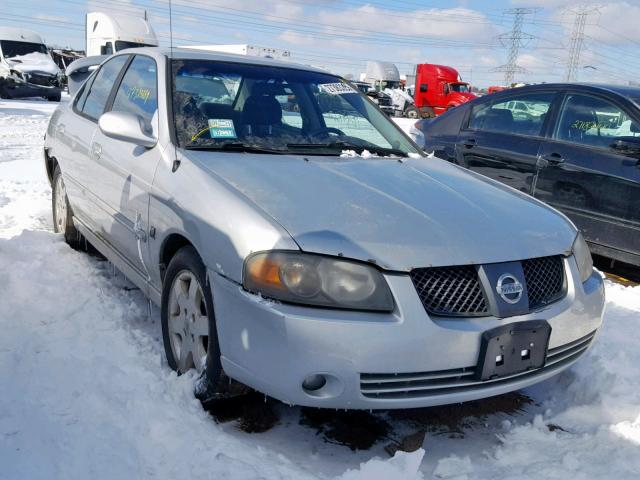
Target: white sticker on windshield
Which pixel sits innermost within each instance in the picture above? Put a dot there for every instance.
(221, 128)
(336, 88)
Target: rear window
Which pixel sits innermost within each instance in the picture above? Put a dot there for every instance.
(523, 115)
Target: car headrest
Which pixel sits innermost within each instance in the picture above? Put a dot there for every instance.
(262, 110)
(499, 119)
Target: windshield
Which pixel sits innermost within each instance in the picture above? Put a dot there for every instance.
(121, 45)
(460, 87)
(282, 110)
(12, 48)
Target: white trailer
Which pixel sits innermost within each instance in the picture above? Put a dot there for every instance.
(244, 49)
(107, 33)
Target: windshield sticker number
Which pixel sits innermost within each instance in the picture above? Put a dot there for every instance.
(336, 88)
(221, 128)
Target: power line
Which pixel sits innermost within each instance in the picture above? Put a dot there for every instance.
(515, 39)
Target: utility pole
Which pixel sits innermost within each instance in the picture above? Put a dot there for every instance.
(577, 40)
(514, 40)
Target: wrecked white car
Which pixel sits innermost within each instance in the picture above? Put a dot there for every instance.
(26, 67)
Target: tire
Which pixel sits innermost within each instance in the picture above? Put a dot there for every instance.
(188, 323)
(61, 211)
(427, 112)
(412, 112)
(54, 98)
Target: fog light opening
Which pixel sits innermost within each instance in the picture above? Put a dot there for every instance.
(314, 382)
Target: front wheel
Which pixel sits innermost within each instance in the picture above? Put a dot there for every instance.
(188, 322)
(62, 214)
(54, 98)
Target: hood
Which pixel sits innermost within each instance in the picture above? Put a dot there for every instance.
(400, 215)
(35, 62)
(460, 97)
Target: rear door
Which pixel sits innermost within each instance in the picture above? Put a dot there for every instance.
(589, 177)
(502, 141)
(126, 170)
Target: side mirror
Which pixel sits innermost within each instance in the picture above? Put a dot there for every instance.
(424, 87)
(126, 127)
(629, 146)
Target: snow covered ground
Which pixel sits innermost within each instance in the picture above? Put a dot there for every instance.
(86, 393)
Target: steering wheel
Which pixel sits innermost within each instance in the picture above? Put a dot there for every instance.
(327, 130)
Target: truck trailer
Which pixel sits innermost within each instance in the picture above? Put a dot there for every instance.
(244, 49)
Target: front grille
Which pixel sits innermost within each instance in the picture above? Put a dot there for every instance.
(545, 280)
(43, 80)
(450, 291)
(457, 291)
(459, 380)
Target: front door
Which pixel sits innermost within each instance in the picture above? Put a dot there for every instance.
(75, 131)
(126, 170)
(502, 142)
(592, 177)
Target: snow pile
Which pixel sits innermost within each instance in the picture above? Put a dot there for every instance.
(353, 154)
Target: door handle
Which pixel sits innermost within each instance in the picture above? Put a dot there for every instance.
(553, 158)
(96, 150)
(469, 143)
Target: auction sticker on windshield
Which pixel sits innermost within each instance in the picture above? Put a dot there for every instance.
(336, 88)
(221, 128)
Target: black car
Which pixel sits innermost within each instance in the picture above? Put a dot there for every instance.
(573, 146)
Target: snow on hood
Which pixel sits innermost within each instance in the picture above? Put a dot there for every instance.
(33, 62)
(400, 215)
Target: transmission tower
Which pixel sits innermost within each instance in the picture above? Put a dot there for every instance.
(577, 40)
(514, 40)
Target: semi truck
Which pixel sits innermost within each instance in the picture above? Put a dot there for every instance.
(385, 78)
(437, 89)
(245, 49)
(26, 67)
(107, 33)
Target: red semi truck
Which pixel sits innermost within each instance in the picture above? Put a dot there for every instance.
(437, 89)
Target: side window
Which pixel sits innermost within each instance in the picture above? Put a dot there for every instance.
(592, 121)
(138, 91)
(523, 115)
(106, 49)
(101, 87)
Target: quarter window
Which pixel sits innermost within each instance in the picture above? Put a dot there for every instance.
(138, 91)
(96, 99)
(524, 115)
(592, 121)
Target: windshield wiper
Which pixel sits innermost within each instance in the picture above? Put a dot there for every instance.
(342, 145)
(234, 147)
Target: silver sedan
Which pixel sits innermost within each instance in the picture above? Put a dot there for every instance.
(297, 242)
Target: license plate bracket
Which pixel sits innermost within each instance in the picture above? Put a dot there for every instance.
(514, 348)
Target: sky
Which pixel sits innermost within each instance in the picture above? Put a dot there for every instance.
(341, 35)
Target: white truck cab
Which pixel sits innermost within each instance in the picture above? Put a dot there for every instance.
(109, 33)
(26, 67)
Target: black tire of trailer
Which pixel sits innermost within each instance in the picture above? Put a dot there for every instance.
(426, 112)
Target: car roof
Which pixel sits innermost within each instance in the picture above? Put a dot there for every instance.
(629, 92)
(193, 54)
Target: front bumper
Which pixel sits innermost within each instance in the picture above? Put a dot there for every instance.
(403, 359)
(13, 89)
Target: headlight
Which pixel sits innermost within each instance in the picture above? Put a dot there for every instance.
(316, 280)
(583, 257)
